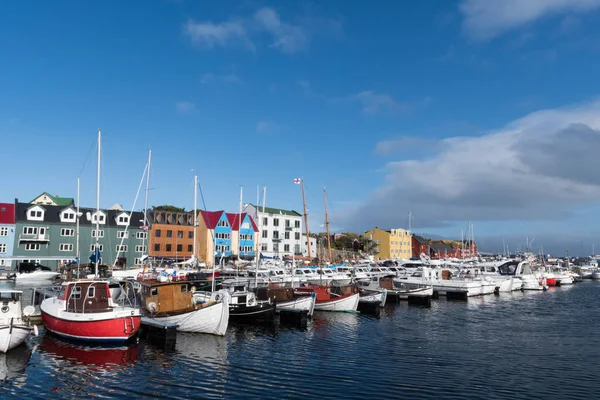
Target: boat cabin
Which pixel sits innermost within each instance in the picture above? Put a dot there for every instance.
(86, 297)
(509, 268)
(167, 297)
(10, 304)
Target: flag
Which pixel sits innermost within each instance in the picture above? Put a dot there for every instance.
(297, 181)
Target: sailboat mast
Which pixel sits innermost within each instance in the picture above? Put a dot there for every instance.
(263, 213)
(97, 249)
(77, 226)
(327, 225)
(240, 225)
(306, 222)
(146, 222)
(195, 214)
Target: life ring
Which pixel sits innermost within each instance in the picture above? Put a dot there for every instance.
(4, 309)
(217, 297)
(193, 288)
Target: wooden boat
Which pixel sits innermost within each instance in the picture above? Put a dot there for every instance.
(371, 297)
(84, 310)
(285, 298)
(247, 308)
(332, 298)
(173, 303)
(13, 330)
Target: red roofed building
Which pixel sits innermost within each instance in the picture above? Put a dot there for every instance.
(7, 234)
(243, 241)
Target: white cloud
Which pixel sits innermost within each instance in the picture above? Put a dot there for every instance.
(540, 167)
(185, 107)
(402, 143)
(267, 127)
(486, 19)
(284, 36)
(209, 78)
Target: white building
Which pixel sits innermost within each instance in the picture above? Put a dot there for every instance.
(280, 230)
(313, 247)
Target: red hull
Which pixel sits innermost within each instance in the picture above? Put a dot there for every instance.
(551, 281)
(107, 330)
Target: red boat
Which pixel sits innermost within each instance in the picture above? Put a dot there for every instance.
(332, 298)
(84, 310)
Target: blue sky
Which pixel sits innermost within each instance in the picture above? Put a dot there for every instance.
(457, 110)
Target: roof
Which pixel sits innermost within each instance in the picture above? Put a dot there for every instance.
(59, 201)
(420, 239)
(52, 215)
(271, 210)
(234, 221)
(7, 213)
(211, 218)
(441, 248)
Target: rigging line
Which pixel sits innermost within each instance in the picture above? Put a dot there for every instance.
(92, 147)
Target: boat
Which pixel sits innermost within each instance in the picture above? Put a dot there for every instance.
(85, 310)
(174, 303)
(34, 273)
(246, 307)
(13, 329)
(332, 298)
(286, 298)
(380, 297)
(397, 287)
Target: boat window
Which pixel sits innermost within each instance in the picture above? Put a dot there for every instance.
(9, 296)
(76, 292)
(183, 288)
(154, 291)
(91, 291)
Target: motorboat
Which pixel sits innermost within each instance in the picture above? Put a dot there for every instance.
(33, 273)
(286, 298)
(13, 329)
(332, 298)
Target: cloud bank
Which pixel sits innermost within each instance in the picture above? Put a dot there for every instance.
(539, 167)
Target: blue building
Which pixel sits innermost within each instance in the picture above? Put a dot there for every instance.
(244, 236)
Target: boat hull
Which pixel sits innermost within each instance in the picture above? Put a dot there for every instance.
(12, 335)
(262, 312)
(303, 303)
(347, 303)
(381, 297)
(212, 319)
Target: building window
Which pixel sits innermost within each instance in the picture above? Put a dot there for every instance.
(179, 247)
(190, 234)
(297, 235)
(32, 246)
(100, 247)
(265, 234)
(297, 249)
(96, 233)
(122, 234)
(223, 235)
(140, 249)
(190, 248)
(3, 231)
(275, 234)
(286, 247)
(222, 223)
(2, 247)
(296, 224)
(121, 248)
(245, 237)
(68, 217)
(168, 247)
(35, 214)
(169, 233)
(156, 246)
(157, 233)
(137, 261)
(180, 234)
(276, 247)
(245, 249)
(123, 220)
(141, 235)
(65, 247)
(287, 223)
(30, 230)
(263, 246)
(265, 221)
(66, 232)
(275, 221)
(287, 235)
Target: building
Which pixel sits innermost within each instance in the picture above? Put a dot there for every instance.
(48, 234)
(172, 234)
(214, 231)
(281, 231)
(243, 240)
(314, 247)
(46, 199)
(390, 243)
(420, 245)
(442, 250)
(7, 235)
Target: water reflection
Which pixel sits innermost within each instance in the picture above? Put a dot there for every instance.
(14, 363)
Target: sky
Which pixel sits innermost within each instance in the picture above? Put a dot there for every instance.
(454, 111)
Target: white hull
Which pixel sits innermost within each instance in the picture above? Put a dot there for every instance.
(509, 285)
(425, 291)
(349, 303)
(596, 275)
(126, 273)
(11, 337)
(302, 303)
(381, 297)
(212, 319)
(36, 277)
(473, 288)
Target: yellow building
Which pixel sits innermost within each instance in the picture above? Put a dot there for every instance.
(389, 244)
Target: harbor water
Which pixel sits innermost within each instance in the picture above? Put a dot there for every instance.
(532, 345)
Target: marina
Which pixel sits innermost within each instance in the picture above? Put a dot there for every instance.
(545, 335)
